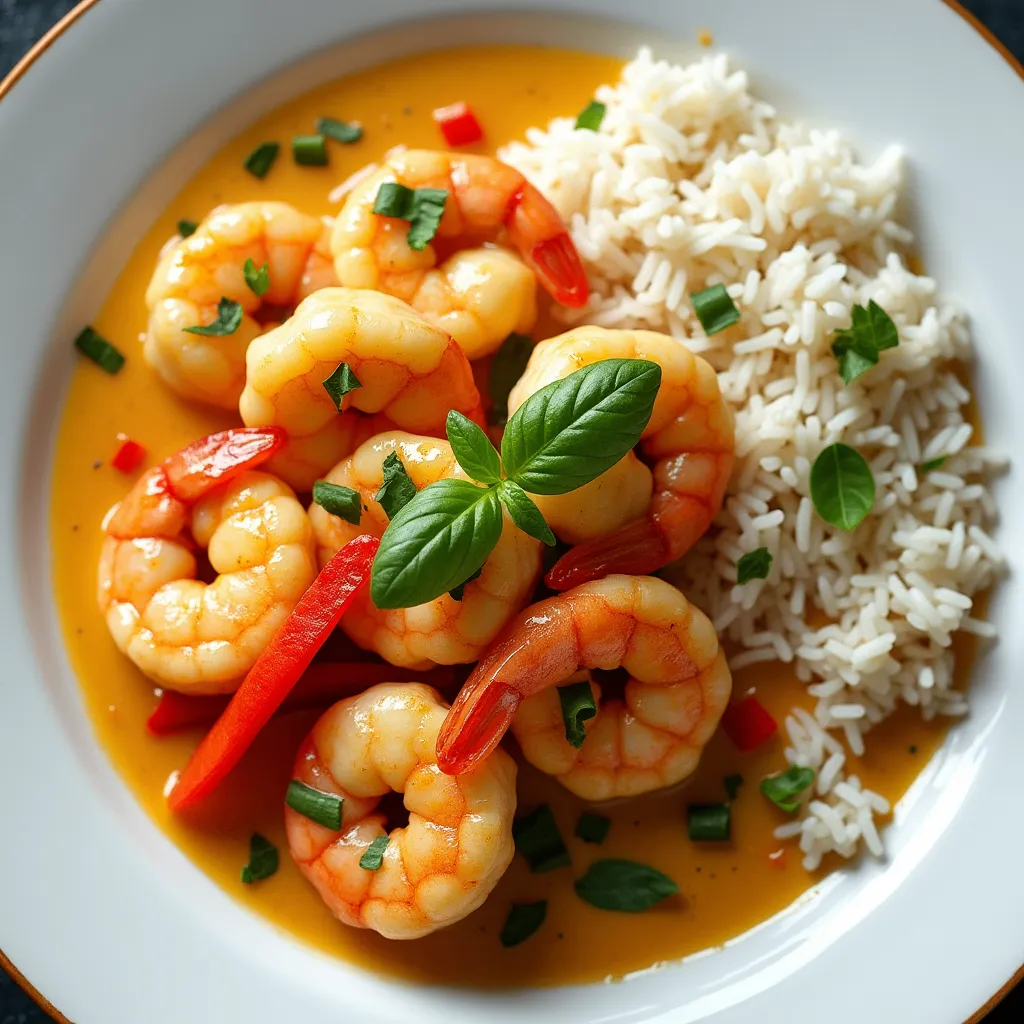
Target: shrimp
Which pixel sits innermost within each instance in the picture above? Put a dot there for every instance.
(196, 272)
(182, 633)
(631, 520)
(409, 372)
(479, 295)
(678, 688)
(443, 631)
(458, 843)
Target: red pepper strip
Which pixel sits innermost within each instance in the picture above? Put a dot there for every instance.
(276, 671)
(323, 683)
(219, 457)
(458, 124)
(748, 725)
(128, 455)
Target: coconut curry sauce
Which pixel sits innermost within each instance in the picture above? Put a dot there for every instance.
(725, 888)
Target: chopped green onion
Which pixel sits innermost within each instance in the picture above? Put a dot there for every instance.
(310, 150)
(522, 921)
(593, 828)
(784, 788)
(732, 785)
(421, 207)
(842, 486)
(397, 489)
(340, 131)
(539, 842)
(323, 808)
(372, 859)
(591, 116)
(507, 367)
(95, 347)
(343, 502)
(715, 309)
(927, 467)
(340, 383)
(708, 823)
(858, 346)
(263, 860)
(577, 700)
(624, 885)
(456, 593)
(257, 280)
(229, 319)
(187, 227)
(754, 565)
(261, 159)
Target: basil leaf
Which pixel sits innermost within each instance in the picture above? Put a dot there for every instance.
(229, 319)
(842, 487)
(261, 159)
(524, 512)
(593, 828)
(858, 346)
(473, 449)
(340, 383)
(373, 857)
(573, 430)
(577, 700)
(397, 490)
(927, 467)
(715, 309)
(95, 347)
(591, 116)
(263, 860)
(323, 808)
(340, 131)
(257, 280)
(624, 885)
(732, 785)
(435, 543)
(343, 502)
(421, 207)
(783, 789)
(187, 227)
(539, 842)
(457, 593)
(507, 367)
(754, 565)
(522, 921)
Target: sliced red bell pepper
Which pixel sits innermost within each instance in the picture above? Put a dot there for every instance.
(458, 124)
(219, 457)
(129, 454)
(748, 724)
(276, 671)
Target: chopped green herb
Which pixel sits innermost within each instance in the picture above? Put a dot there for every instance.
(577, 700)
(397, 490)
(624, 885)
(229, 319)
(522, 921)
(340, 131)
(187, 227)
(858, 347)
(715, 309)
(708, 823)
(340, 383)
(539, 842)
(95, 347)
(261, 159)
(323, 808)
(310, 150)
(506, 368)
(263, 860)
(372, 859)
(754, 565)
(842, 487)
(732, 785)
(342, 502)
(457, 593)
(421, 207)
(783, 789)
(927, 467)
(593, 828)
(591, 116)
(257, 280)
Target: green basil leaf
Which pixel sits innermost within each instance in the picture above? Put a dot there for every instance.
(927, 467)
(732, 785)
(573, 430)
(842, 487)
(229, 319)
(858, 346)
(263, 860)
(577, 700)
(715, 309)
(624, 885)
(457, 593)
(539, 842)
(373, 857)
(95, 347)
(522, 921)
(507, 367)
(473, 449)
(340, 383)
(421, 207)
(397, 490)
(591, 116)
(261, 159)
(593, 828)
(343, 502)
(754, 565)
(340, 131)
(187, 227)
(435, 543)
(783, 789)
(257, 280)
(524, 512)
(323, 808)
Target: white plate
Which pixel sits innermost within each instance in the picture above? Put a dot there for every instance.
(97, 909)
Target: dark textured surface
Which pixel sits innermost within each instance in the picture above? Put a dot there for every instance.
(22, 22)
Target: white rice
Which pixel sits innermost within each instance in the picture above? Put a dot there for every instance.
(692, 181)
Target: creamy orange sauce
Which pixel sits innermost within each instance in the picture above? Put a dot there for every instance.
(726, 889)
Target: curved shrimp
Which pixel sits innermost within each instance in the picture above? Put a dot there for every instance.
(643, 520)
(479, 295)
(182, 633)
(458, 843)
(196, 272)
(409, 372)
(679, 686)
(443, 631)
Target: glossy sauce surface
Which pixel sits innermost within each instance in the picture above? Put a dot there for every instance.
(725, 889)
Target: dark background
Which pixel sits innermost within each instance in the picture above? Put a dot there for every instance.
(22, 22)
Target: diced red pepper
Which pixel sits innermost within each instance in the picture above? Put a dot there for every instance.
(748, 725)
(129, 454)
(458, 124)
(276, 671)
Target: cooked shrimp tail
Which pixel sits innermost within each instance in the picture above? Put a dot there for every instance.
(218, 458)
(480, 716)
